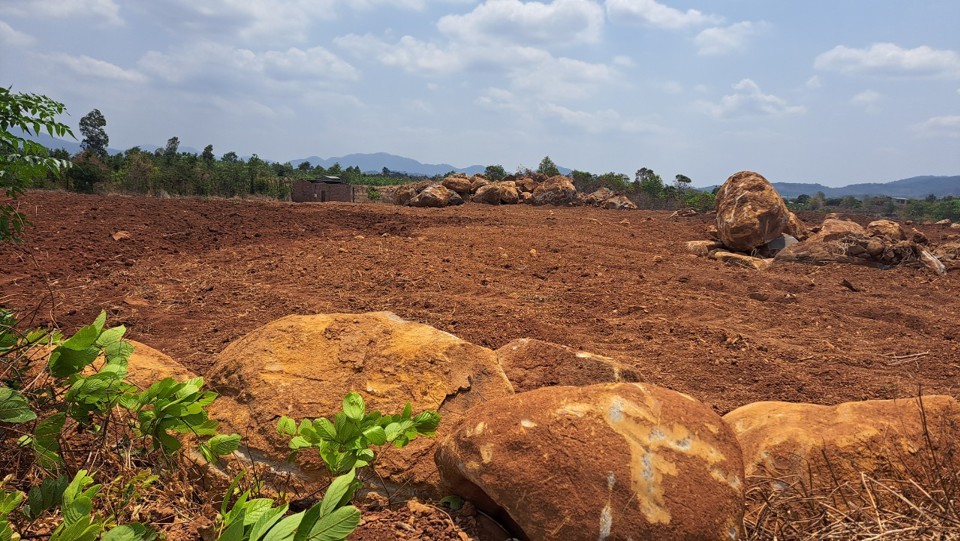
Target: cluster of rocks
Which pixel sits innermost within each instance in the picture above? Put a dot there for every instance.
(755, 229)
(554, 443)
(538, 190)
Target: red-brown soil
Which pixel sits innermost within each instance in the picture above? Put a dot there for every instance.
(196, 274)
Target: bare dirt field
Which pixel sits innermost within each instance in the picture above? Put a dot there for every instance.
(195, 275)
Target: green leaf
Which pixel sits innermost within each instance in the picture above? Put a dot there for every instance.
(267, 519)
(338, 491)
(110, 336)
(375, 435)
(14, 408)
(233, 533)
(310, 518)
(285, 529)
(130, 532)
(46, 440)
(222, 444)
(66, 362)
(354, 407)
(287, 426)
(255, 508)
(336, 526)
(325, 429)
(84, 338)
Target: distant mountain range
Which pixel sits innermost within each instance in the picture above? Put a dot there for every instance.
(911, 188)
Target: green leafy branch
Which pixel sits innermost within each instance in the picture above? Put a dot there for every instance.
(345, 443)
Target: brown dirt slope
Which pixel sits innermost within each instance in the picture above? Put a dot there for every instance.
(197, 274)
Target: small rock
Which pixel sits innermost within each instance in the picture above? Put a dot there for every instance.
(121, 235)
(757, 296)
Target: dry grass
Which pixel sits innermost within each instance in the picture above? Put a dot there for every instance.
(913, 499)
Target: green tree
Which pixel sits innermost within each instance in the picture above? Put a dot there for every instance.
(24, 162)
(304, 166)
(495, 172)
(230, 157)
(95, 138)
(172, 147)
(683, 182)
(547, 167)
(207, 155)
(649, 183)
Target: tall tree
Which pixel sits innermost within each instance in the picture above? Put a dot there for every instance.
(95, 138)
(173, 145)
(207, 153)
(547, 167)
(22, 161)
(494, 172)
(683, 182)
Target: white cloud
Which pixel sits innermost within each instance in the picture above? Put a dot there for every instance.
(657, 14)
(940, 126)
(14, 38)
(562, 78)
(213, 61)
(890, 59)
(91, 67)
(103, 10)
(814, 82)
(528, 69)
(606, 120)
(748, 101)
(408, 54)
(531, 23)
(726, 39)
(867, 98)
(271, 20)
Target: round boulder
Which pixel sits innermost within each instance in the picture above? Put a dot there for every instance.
(459, 183)
(557, 190)
(302, 366)
(886, 229)
(610, 461)
(531, 364)
(750, 212)
(827, 445)
(436, 196)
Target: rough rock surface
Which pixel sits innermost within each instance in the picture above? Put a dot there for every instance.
(498, 193)
(596, 198)
(703, 248)
(826, 444)
(741, 260)
(619, 202)
(405, 193)
(460, 184)
(610, 461)
(887, 229)
(147, 366)
(843, 241)
(302, 366)
(477, 182)
(436, 196)
(750, 212)
(557, 190)
(530, 364)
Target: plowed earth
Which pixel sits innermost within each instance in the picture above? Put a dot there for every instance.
(195, 275)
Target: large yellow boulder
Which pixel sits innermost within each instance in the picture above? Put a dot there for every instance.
(302, 366)
(750, 212)
(609, 461)
(830, 444)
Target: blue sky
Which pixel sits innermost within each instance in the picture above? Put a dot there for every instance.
(835, 92)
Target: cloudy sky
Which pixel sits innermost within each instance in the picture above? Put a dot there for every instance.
(816, 91)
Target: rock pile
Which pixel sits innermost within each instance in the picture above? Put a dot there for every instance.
(754, 229)
(576, 453)
(536, 190)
